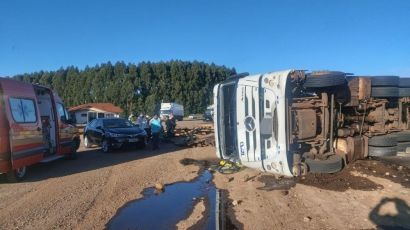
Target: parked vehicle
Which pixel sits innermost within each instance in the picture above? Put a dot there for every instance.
(209, 113)
(176, 109)
(34, 127)
(112, 133)
(292, 122)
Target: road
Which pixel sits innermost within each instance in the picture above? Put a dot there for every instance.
(86, 193)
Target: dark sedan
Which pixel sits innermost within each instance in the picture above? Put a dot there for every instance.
(112, 133)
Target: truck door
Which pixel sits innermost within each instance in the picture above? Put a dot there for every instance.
(26, 138)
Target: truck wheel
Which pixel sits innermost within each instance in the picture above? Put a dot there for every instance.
(385, 92)
(105, 147)
(16, 175)
(382, 151)
(404, 82)
(403, 136)
(402, 146)
(404, 92)
(387, 140)
(87, 143)
(324, 79)
(331, 165)
(385, 81)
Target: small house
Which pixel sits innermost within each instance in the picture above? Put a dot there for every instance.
(82, 114)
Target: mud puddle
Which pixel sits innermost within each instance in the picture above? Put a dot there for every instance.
(165, 209)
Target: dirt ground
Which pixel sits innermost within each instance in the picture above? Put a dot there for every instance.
(86, 193)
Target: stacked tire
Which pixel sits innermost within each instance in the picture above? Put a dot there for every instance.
(384, 145)
(403, 140)
(404, 87)
(385, 86)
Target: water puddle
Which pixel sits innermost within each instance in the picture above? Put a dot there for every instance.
(164, 210)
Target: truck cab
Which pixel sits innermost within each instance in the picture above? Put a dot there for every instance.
(34, 127)
(293, 122)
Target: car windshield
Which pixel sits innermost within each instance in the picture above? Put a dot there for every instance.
(116, 123)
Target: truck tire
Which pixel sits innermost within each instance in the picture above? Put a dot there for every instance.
(404, 82)
(331, 165)
(403, 136)
(382, 151)
(324, 79)
(404, 92)
(402, 146)
(385, 81)
(17, 175)
(387, 140)
(385, 92)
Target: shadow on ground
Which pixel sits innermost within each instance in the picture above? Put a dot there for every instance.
(91, 159)
(391, 213)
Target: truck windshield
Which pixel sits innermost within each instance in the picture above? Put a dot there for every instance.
(228, 118)
(165, 111)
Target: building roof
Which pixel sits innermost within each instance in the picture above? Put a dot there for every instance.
(108, 107)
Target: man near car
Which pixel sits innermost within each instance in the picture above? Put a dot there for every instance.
(155, 124)
(171, 123)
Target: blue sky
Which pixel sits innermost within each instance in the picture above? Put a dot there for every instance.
(362, 37)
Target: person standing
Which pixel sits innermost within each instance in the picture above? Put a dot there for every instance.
(171, 124)
(155, 124)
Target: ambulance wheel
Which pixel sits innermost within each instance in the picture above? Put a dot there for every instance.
(73, 154)
(16, 175)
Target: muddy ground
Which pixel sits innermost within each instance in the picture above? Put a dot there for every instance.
(86, 193)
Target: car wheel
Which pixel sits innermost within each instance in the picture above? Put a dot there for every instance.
(141, 145)
(17, 174)
(331, 165)
(382, 151)
(324, 79)
(387, 140)
(105, 147)
(385, 92)
(87, 143)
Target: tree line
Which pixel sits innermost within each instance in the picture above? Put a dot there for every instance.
(135, 88)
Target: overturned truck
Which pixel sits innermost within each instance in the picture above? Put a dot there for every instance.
(293, 122)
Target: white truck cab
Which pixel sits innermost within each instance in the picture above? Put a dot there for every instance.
(248, 111)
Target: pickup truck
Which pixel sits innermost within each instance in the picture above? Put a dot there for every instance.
(293, 122)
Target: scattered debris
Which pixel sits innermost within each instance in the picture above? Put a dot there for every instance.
(159, 187)
(236, 202)
(197, 137)
(307, 218)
